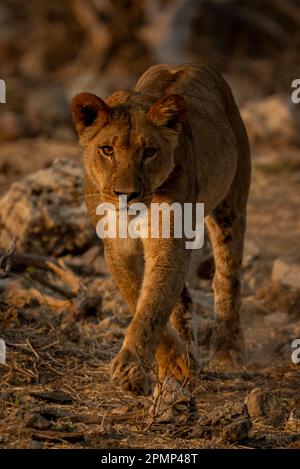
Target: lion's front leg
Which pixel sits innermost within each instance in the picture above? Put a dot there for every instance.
(126, 268)
(164, 277)
(126, 265)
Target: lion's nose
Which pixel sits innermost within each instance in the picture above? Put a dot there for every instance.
(130, 195)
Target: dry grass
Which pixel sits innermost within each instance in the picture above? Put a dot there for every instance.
(42, 356)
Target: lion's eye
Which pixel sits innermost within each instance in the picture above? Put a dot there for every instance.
(149, 151)
(106, 150)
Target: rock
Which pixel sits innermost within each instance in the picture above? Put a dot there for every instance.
(276, 297)
(255, 403)
(293, 377)
(51, 412)
(88, 306)
(171, 403)
(56, 396)
(293, 423)
(276, 416)
(294, 444)
(6, 395)
(237, 431)
(223, 415)
(286, 272)
(270, 119)
(88, 419)
(277, 319)
(58, 436)
(36, 421)
(266, 406)
(46, 211)
(34, 444)
(272, 440)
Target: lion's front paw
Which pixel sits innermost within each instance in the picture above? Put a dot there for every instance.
(227, 347)
(127, 372)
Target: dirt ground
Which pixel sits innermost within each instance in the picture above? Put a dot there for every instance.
(55, 386)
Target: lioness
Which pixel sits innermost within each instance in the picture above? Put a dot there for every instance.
(177, 137)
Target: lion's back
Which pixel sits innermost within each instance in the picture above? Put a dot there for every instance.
(196, 82)
(216, 128)
(208, 97)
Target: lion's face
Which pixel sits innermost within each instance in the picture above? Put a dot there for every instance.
(129, 146)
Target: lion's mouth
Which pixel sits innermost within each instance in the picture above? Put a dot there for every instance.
(120, 202)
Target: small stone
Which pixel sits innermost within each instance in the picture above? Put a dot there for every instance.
(278, 439)
(34, 420)
(277, 319)
(286, 272)
(57, 396)
(294, 444)
(172, 403)
(237, 431)
(255, 403)
(266, 406)
(6, 395)
(270, 119)
(226, 413)
(52, 413)
(276, 417)
(89, 305)
(293, 376)
(279, 298)
(87, 419)
(34, 444)
(293, 423)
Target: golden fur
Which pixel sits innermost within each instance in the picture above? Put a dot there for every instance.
(188, 114)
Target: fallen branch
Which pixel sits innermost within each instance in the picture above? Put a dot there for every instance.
(56, 288)
(67, 276)
(21, 261)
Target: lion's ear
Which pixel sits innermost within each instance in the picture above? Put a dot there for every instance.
(86, 108)
(168, 111)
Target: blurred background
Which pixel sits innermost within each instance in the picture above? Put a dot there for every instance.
(52, 49)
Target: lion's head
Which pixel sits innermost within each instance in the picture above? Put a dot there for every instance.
(129, 141)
